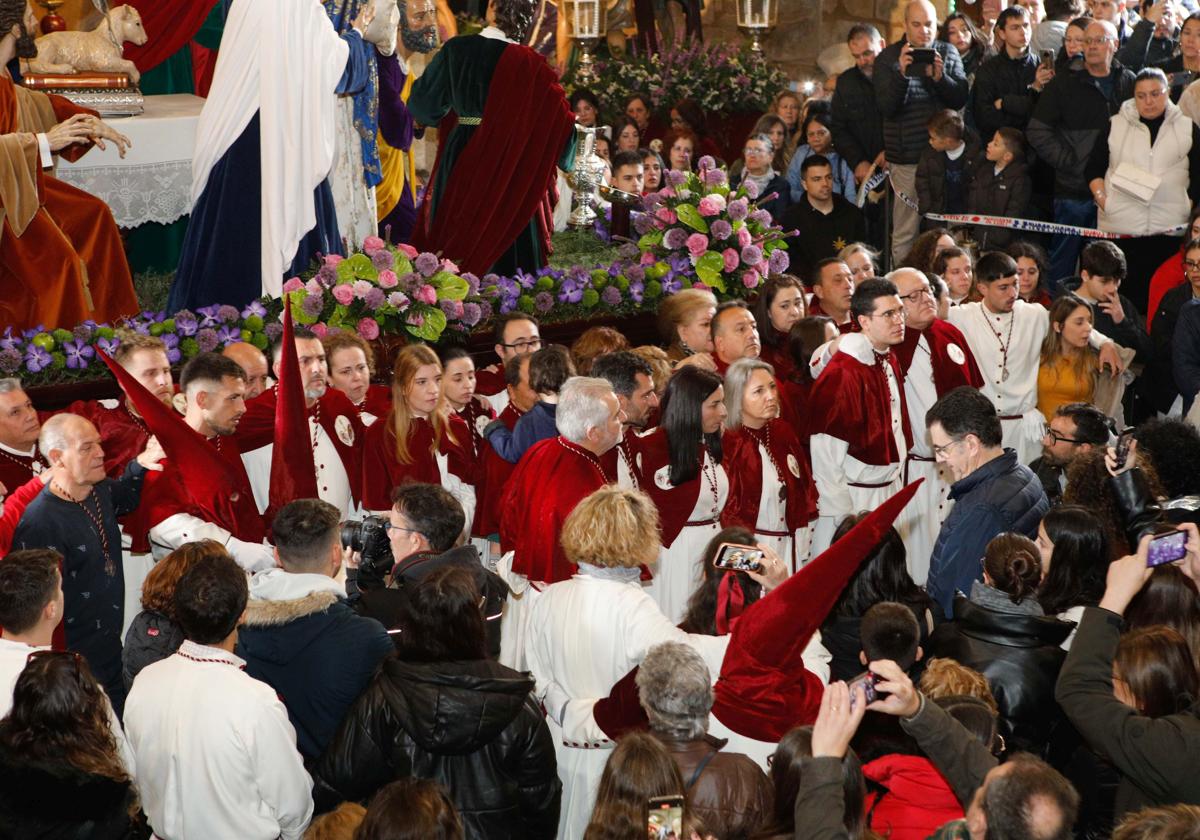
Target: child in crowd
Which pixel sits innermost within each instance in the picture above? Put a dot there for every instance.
(945, 169)
(1001, 186)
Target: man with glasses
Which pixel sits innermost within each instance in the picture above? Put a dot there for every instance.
(1070, 117)
(935, 360)
(517, 334)
(858, 421)
(1075, 428)
(993, 492)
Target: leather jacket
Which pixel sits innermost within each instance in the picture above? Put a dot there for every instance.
(727, 791)
(1140, 513)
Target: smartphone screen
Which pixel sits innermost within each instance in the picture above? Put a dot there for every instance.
(665, 818)
(1167, 548)
(1048, 58)
(1122, 449)
(867, 680)
(739, 558)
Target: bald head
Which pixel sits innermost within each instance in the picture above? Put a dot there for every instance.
(916, 295)
(920, 23)
(253, 362)
(1099, 47)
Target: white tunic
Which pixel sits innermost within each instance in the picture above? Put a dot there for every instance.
(216, 750)
(584, 634)
(333, 485)
(772, 516)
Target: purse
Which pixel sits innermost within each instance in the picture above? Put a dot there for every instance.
(1134, 182)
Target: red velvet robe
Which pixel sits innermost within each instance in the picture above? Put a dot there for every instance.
(850, 401)
(779, 356)
(378, 401)
(66, 263)
(488, 382)
(675, 504)
(496, 473)
(475, 417)
(951, 367)
(15, 470)
(552, 477)
(743, 464)
(381, 472)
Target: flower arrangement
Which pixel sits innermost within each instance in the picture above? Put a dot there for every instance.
(722, 78)
(727, 240)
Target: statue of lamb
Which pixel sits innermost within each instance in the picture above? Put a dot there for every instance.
(98, 51)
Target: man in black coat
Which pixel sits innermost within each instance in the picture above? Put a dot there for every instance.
(825, 223)
(1008, 84)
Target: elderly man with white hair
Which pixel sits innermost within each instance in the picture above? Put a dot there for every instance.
(550, 480)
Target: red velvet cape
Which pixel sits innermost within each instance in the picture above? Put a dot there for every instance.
(381, 472)
(850, 401)
(675, 504)
(502, 178)
(743, 463)
(948, 374)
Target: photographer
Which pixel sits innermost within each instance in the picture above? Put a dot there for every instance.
(419, 537)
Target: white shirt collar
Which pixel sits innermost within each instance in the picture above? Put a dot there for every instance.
(955, 154)
(859, 346)
(32, 453)
(496, 34)
(204, 653)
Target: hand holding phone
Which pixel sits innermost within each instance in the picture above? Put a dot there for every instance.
(739, 558)
(1124, 441)
(664, 817)
(1167, 548)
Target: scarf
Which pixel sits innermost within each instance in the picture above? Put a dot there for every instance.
(993, 599)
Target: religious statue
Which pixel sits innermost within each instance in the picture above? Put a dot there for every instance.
(98, 51)
(61, 258)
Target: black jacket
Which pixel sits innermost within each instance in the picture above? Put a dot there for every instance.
(473, 726)
(1071, 115)
(317, 654)
(931, 176)
(151, 637)
(1003, 194)
(1144, 50)
(1158, 380)
(857, 125)
(1019, 655)
(820, 235)
(1006, 79)
(1130, 333)
(62, 802)
(907, 104)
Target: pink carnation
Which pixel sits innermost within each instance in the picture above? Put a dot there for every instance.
(647, 258)
(333, 259)
(368, 328)
(408, 251)
(319, 330)
(387, 279)
(744, 237)
(372, 244)
(294, 284)
(697, 244)
(708, 207)
(666, 215)
(751, 279)
(427, 294)
(344, 294)
(449, 266)
(314, 287)
(731, 259)
(361, 287)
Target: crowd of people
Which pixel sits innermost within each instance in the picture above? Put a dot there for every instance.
(855, 557)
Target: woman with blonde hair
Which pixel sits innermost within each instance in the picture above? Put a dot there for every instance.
(685, 324)
(420, 439)
(588, 632)
(1069, 366)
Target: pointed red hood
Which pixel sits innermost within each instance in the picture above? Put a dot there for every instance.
(293, 475)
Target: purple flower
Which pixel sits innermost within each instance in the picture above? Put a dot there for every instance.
(382, 260)
(361, 287)
(761, 217)
(312, 305)
(427, 264)
(714, 177)
(779, 261)
(643, 223)
(752, 255)
(227, 314)
(110, 345)
(452, 308)
(411, 282)
(82, 332)
(36, 358)
(571, 291)
(721, 229)
(472, 283)
(471, 314)
(374, 298)
(674, 239)
(10, 360)
(671, 285)
(628, 251)
(738, 209)
(675, 177)
(272, 331)
(485, 311)
(229, 334)
(635, 273)
(10, 341)
(637, 291)
(752, 189)
(326, 276)
(706, 162)
(171, 342)
(78, 354)
(206, 339)
(254, 307)
(208, 315)
(185, 323)
(611, 295)
(543, 302)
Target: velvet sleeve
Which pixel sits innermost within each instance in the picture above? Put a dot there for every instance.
(395, 122)
(430, 97)
(14, 505)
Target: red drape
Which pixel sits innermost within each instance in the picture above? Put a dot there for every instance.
(169, 25)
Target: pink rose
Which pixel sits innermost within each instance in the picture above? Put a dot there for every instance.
(647, 258)
(387, 279)
(408, 251)
(449, 266)
(293, 284)
(667, 192)
(731, 259)
(332, 260)
(666, 215)
(708, 207)
(372, 244)
(744, 237)
(763, 268)
(368, 329)
(751, 279)
(697, 244)
(319, 330)
(427, 294)
(343, 294)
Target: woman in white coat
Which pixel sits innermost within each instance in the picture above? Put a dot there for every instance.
(1145, 177)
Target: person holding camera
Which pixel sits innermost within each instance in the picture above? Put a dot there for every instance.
(300, 636)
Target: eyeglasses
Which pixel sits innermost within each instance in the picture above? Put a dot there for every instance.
(1059, 438)
(388, 527)
(525, 346)
(890, 315)
(1095, 42)
(1191, 265)
(941, 451)
(754, 150)
(916, 295)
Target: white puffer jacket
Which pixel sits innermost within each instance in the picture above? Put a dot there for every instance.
(1129, 142)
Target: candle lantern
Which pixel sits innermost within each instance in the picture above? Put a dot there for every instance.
(756, 19)
(587, 25)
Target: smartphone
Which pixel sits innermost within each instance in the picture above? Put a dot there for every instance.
(738, 558)
(1048, 58)
(1167, 548)
(665, 818)
(922, 62)
(867, 680)
(1122, 449)
(1181, 79)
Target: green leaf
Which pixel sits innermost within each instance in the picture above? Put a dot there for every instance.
(650, 240)
(433, 326)
(357, 267)
(402, 265)
(295, 299)
(691, 217)
(337, 318)
(709, 268)
(449, 286)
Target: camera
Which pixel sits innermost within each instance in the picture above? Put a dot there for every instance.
(369, 537)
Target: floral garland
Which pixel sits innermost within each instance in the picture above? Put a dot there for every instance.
(697, 233)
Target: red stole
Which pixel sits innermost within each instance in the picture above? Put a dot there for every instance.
(496, 473)
(851, 401)
(533, 508)
(952, 361)
(381, 471)
(503, 176)
(675, 504)
(743, 464)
